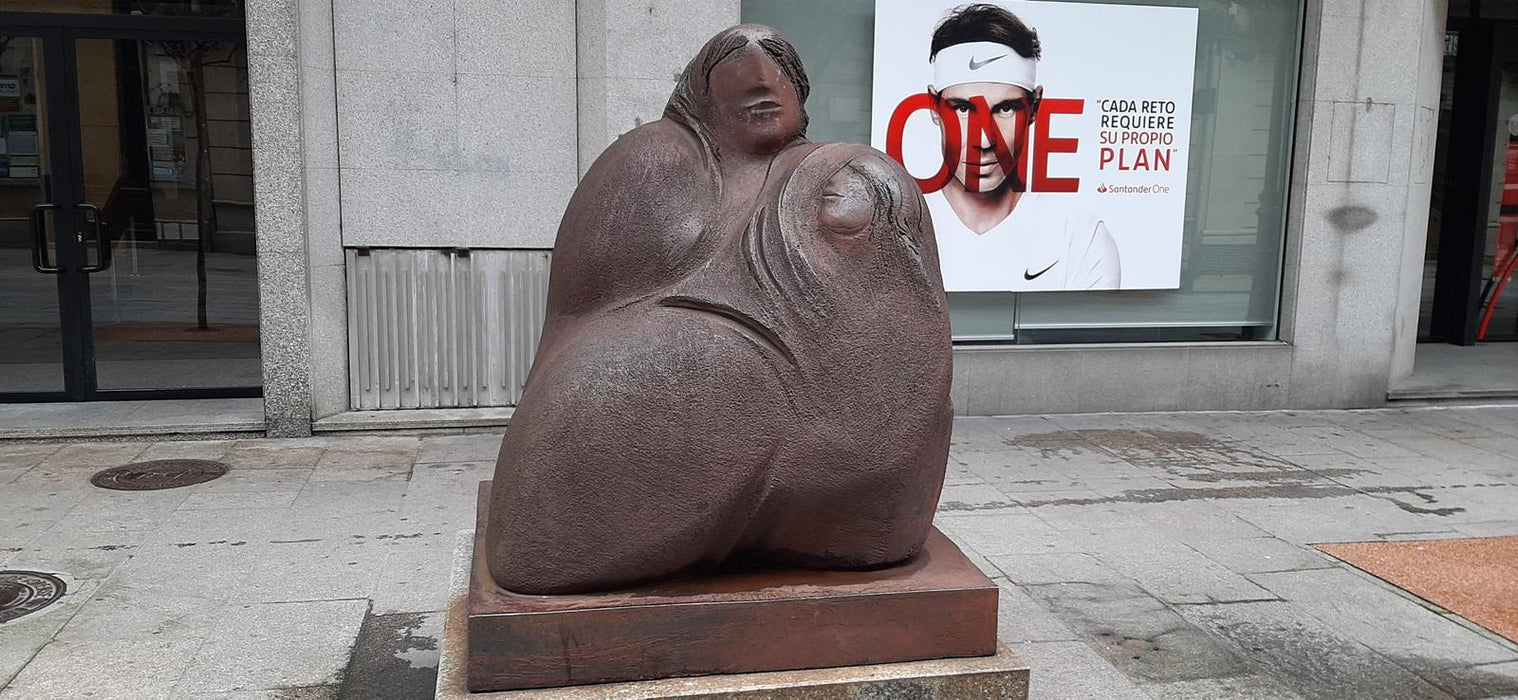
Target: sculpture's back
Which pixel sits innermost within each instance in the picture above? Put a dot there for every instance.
(747, 352)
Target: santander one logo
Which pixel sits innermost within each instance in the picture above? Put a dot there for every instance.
(981, 124)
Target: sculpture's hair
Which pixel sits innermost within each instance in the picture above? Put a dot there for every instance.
(688, 103)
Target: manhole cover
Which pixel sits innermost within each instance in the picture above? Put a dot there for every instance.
(159, 474)
(25, 592)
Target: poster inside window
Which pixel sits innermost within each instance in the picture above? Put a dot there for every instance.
(1047, 165)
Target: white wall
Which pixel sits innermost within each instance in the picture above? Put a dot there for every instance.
(456, 121)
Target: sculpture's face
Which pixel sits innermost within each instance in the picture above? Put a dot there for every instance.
(849, 214)
(755, 108)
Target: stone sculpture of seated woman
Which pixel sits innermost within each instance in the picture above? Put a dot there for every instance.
(746, 357)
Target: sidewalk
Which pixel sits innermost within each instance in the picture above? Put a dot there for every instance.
(1140, 556)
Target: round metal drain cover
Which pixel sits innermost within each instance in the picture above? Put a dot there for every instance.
(159, 474)
(26, 592)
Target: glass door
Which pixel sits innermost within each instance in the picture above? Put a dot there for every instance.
(33, 343)
(126, 221)
(166, 161)
(1473, 219)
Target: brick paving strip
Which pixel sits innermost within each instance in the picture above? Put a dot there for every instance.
(1476, 578)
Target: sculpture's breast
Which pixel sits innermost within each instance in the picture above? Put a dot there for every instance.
(638, 221)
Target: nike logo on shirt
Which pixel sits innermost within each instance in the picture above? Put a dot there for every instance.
(977, 65)
(1030, 276)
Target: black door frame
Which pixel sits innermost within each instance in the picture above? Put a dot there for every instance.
(59, 33)
(1481, 54)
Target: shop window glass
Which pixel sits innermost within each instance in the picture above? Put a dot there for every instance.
(179, 8)
(1248, 54)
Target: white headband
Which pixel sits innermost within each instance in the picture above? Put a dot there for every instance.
(983, 62)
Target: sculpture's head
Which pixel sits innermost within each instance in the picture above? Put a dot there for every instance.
(744, 92)
(855, 238)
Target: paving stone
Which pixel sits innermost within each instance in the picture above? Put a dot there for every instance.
(27, 510)
(276, 645)
(259, 454)
(25, 454)
(975, 497)
(1241, 687)
(1175, 573)
(319, 692)
(104, 669)
(1494, 528)
(1381, 618)
(1460, 424)
(1288, 443)
(351, 466)
(80, 554)
(1307, 656)
(1431, 445)
(1260, 554)
(444, 494)
(414, 577)
(1354, 442)
(321, 570)
(97, 455)
(1138, 634)
(244, 480)
(258, 500)
(349, 498)
(1477, 682)
(996, 534)
(11, 474)
(1022, 619)
(1189, 520)
(365, 455)
(482, 447)
(973, 433)
(1058, 567)
(1085, 518)
(199, 526)
(1073, 671)
(187, 449)
(21, 638)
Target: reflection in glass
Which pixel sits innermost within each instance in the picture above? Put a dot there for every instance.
(31, 339)
(167, 160)
(179, 8)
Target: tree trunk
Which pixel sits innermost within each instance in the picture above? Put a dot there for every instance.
(205, 206)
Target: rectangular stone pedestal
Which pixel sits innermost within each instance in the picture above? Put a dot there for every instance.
(1001, 676)
(937, 606)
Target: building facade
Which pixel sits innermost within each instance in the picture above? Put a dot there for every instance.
(408, 161)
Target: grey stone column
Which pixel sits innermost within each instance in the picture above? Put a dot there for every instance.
(630, 55)
(1360, 199)
(279, 206)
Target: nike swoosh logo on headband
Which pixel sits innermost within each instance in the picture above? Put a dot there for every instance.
(977, 65)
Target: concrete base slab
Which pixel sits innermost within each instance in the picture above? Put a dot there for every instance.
(1002, 676)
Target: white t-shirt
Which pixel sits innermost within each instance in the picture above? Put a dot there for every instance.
(1042, 245)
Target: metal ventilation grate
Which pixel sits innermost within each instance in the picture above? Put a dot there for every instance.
(443, 328)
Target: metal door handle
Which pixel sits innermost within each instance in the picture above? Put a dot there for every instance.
(102, 241)
(40, 262)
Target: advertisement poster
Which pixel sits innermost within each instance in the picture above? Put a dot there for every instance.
(1049, 138)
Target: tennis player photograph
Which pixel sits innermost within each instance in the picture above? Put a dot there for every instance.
(1049, 138)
